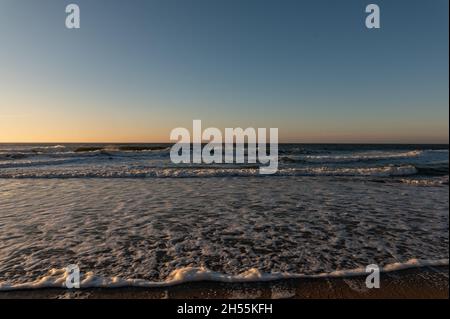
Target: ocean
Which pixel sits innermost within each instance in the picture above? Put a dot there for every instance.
(127, 216)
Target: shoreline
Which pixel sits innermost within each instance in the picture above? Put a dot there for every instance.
(413, 283)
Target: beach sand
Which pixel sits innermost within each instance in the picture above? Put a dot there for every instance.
(426, 282)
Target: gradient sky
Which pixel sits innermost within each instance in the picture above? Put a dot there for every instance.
(137, 69)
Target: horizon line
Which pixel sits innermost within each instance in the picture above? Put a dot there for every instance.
(374, 143)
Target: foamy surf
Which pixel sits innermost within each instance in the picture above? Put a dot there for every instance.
(168, 231)
(56, 278)
(438, 181)
(364, 156)
(192, 172)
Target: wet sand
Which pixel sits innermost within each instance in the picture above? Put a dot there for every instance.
(426, 282)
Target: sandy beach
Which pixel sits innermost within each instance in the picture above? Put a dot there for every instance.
(417, 283)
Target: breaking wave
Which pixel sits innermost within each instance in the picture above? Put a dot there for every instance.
(56, 278)
(350, 158)
(233, 171)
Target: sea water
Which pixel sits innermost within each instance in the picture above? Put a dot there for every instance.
(127, 216)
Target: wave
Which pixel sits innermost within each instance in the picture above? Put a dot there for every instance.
(357, 157)
(50, 147)
(14, 156)
(124, 148)
(15, 153)
(56, 278)
(36, 163)
(83, 152)
(31, 148)
(190, 172)
(426, 182)
(35, 150)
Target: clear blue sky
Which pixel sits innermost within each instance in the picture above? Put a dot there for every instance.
(137, 69)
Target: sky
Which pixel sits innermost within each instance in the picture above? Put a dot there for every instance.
(137, 69)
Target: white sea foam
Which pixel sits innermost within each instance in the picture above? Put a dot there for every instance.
(121, 171)
(436, 181)
(168, 230)
(360, 156)
(56, 278)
